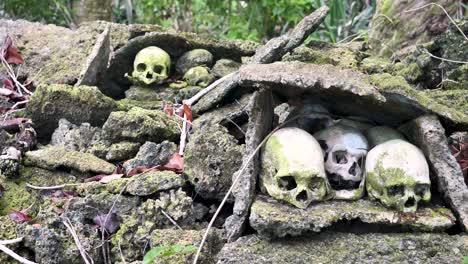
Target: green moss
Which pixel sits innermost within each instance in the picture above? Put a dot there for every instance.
(375, 64)
(15, 196)
(81, 104)
(54, 157)
(324, 53)
(7, 228)
(387, 83)
(411, 72)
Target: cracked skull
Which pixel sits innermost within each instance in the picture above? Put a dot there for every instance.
(151, 66)
(397, 174)
(345, 150)
(293, 169)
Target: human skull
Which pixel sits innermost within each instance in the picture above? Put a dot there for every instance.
(198, 76)
(345, 150)
(293, 169)
(151, 66)
(397, 174)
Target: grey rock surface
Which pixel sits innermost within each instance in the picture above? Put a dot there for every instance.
(140, 125)
(429, 135)
(122, 151)
(380, 134)
(58, 157)
(224, 67)
(329, 247)
(151, 182)
(271, 218)
(211, 157)
(84, 104)
(151, 154)
(260, 122)
(73, 137)
(193, 58)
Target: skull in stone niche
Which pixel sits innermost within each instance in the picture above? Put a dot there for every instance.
(345, 150)
(397, 174)
(151, 66)
(293, 169)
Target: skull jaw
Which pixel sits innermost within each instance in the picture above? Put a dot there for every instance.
(141, 79)
(350, 195)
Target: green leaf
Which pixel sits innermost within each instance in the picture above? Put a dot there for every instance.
(167, 251)
(465, 260)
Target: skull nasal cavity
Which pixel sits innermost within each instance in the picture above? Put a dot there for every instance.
(410, 202)
(287, 183)
(352, 170)
(302, 196)
(340, 157)
(149, 75)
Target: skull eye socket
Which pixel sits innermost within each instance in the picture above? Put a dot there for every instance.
(141, 67)
(420, 190)
(287, 183)
(396, 190)
(157, 69)
(340, 157)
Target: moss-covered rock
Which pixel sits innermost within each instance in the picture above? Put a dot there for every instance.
(151, 154)
(58, 157)
(211, 158)
(224, 67)
(331, 247)
(141, 125)
(193, 58)
(375, 64)
(15, 196)
(122, 151)
(151, 182)
(83, 104)
(325, 53)
(273, 219)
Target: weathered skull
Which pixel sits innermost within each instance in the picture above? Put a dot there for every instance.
(151, 66)
(293, 169)
(345, 150)
(397, 174)
(198, 76)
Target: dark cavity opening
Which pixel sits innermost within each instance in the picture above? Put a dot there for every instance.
(287, 183)
(338, 183)
(340, 157)
(157, 69)
(352, 170)
(396, 190)
(410, 202)
(141, 67)
(302, 196)
(149, 75)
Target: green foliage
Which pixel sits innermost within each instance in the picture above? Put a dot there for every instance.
(257, 20)
(48, 11)
(465, 260)
(167, 251)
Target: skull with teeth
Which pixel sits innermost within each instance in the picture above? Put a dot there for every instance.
(397, 174)
(345, 150)
(293, 169)
(151, 66)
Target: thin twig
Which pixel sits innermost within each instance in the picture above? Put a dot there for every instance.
(446, 13)
(51, 187)
(120, 252)
(19, 103)
(12, 254)
(206, 90)
(78, 244)
(183, 136)
(11, 241)
(442, 59)
(170, 219)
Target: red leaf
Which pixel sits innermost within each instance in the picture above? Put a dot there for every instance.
(12, 122)
(7, 83)
(13, 56)
(10, 53)
(168, 109)
(95, 178)
(188, 112)
(176, 164)
(138, 170)
(19, 217)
